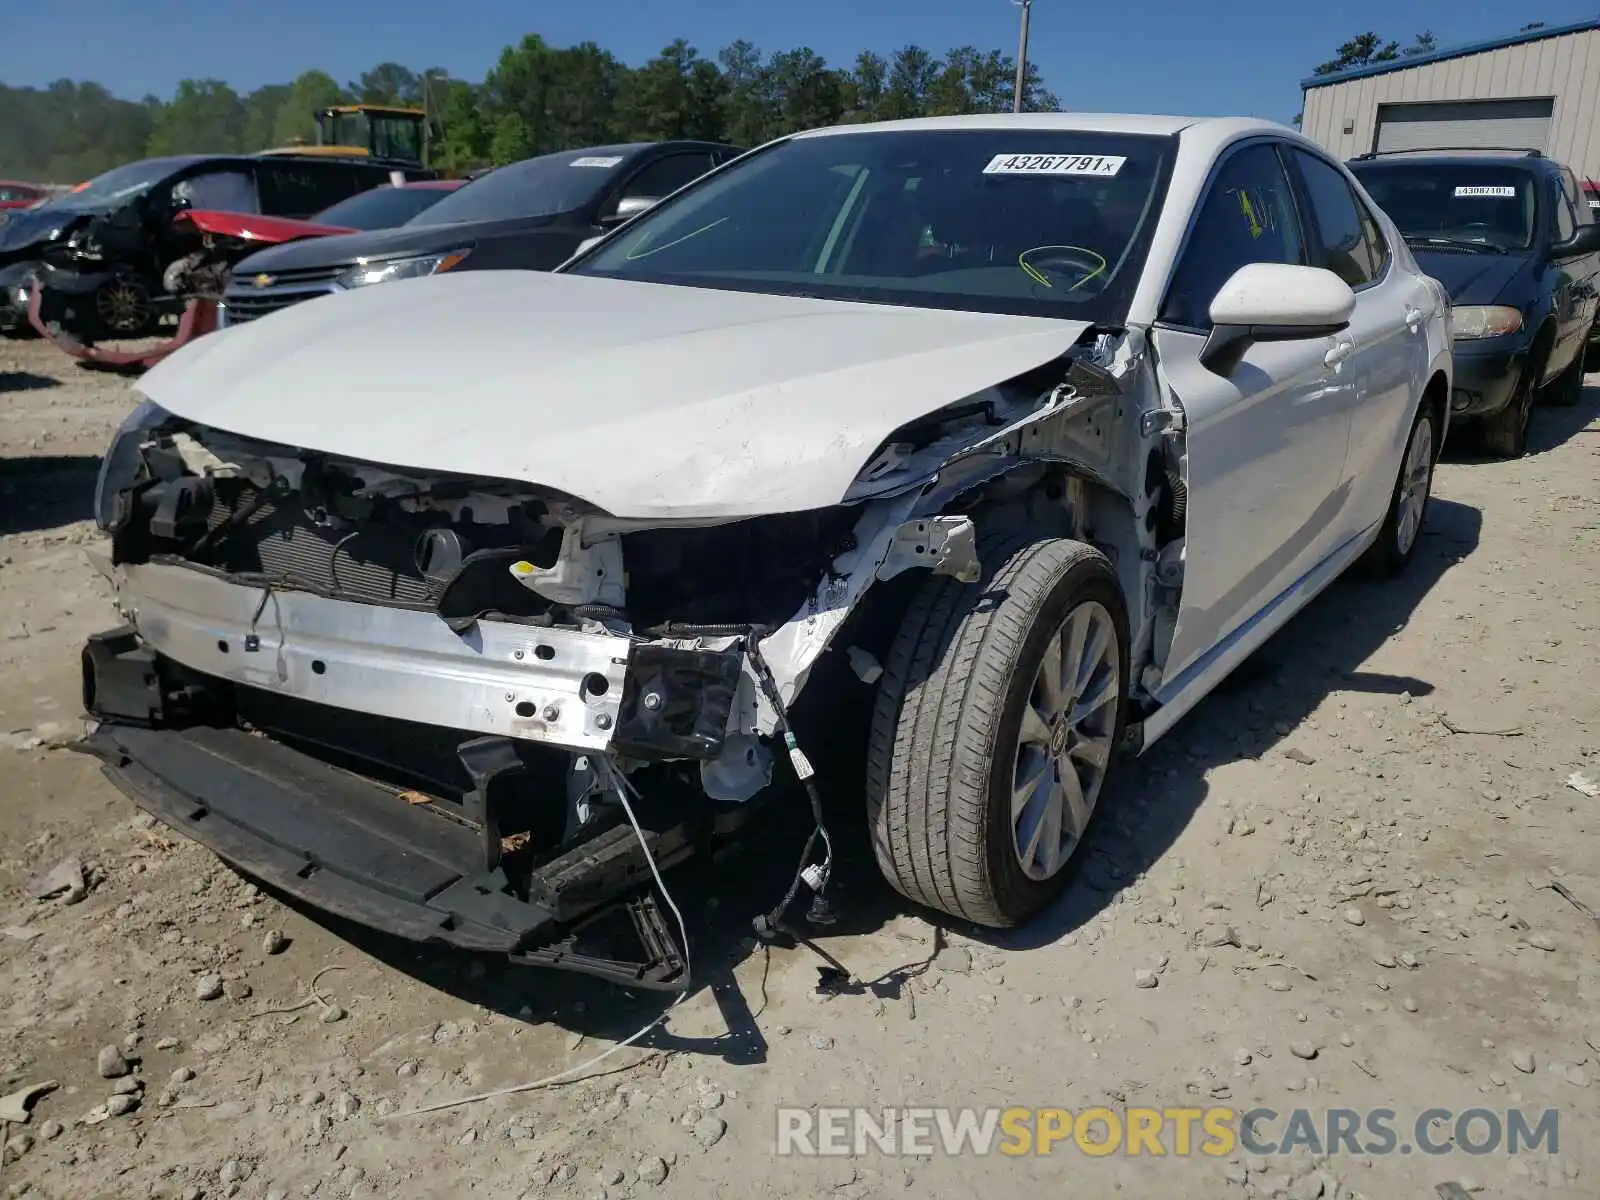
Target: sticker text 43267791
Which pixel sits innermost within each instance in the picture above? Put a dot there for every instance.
(1054, 164)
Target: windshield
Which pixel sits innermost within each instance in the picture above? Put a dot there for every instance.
(119, 183)
(1048, 223)
(535, 187)
(1455, 202)
(381, 207)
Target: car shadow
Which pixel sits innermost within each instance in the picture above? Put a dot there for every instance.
(1150, 803)
(46, 492)
(1553, 427)
(25, 381)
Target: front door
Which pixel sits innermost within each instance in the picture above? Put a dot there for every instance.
(1266, 442)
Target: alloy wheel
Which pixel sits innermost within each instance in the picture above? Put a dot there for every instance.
(1065, 739)
(1416, 480)
(123, 306)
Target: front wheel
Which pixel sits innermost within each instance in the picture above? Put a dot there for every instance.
(124, 308)
(1567, 388)
(1408, 502)
(995, 729)
(1505, 434)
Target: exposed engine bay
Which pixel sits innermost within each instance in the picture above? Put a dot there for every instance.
(510, 666)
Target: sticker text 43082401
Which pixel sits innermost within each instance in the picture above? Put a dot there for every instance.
(1054, 164)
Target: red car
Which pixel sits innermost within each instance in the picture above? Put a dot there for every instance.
(21, 195)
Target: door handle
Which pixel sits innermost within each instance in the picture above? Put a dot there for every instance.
(1413, 318)
(1339, 353)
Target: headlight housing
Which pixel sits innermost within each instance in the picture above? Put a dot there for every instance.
(121, 463)
(1483, 321)
(401, 268)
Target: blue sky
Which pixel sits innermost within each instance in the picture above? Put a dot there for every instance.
(1186, 56)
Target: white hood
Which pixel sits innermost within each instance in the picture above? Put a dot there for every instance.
(644, 400)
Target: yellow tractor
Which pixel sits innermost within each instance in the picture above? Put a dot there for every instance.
(380, 131)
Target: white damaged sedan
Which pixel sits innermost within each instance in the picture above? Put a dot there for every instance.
(936, 461)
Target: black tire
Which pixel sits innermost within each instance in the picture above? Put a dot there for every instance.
(1505, 434)
(1398, 538)
(943, 747)
(124, 308)
(1567, 388)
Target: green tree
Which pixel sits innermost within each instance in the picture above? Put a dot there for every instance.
(806, 93)
(1423, 43)
(261, 110)
(1360, 51)
(466, 140)
(537, 98)
(912, 72)
(749, 110)
(297, 115)
(868, 85)
(387, 83)
(205, 117)
(677, 94)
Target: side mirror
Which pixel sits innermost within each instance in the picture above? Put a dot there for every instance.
(1585, 241)
(1274, 302)
(628, 208)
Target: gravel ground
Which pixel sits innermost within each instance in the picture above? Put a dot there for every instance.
(1329, 887)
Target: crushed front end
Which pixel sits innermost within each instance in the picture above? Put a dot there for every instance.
(475, 712)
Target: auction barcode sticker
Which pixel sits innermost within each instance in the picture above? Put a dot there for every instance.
(1505, 192)
(1054, 164)
(596, 160)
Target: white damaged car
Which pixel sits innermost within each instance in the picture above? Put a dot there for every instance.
(972, 451)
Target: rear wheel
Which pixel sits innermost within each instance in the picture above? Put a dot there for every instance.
(1408, 503)
(1505, 435)
(995, 729)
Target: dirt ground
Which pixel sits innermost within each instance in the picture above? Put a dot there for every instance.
(1330, 887)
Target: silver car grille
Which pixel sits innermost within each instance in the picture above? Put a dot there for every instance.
(245, 301)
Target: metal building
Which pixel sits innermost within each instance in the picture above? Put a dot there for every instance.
(1539, 89)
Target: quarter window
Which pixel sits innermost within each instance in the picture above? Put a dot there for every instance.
(1347, 240)
(1248, 216)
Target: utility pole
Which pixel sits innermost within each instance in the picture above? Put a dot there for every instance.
(1022, 55)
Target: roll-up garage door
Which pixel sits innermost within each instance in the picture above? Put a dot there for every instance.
(1466, 124)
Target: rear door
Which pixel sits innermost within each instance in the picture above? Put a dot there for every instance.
(1389, 368)
(1266, 441)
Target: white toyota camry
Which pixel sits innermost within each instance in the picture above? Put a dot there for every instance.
(936, 461)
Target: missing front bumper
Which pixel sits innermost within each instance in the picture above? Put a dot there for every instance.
(402, 862)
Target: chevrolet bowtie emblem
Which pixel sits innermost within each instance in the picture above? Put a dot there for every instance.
(263, 281)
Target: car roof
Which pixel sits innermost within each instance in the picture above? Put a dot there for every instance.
(1457, 158)
(1131, 123)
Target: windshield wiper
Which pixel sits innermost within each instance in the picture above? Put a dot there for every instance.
(1462, 243)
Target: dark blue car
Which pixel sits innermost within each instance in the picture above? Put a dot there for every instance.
(1510, 236)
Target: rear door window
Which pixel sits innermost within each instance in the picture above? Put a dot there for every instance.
(1346, 238)
(300, 190)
